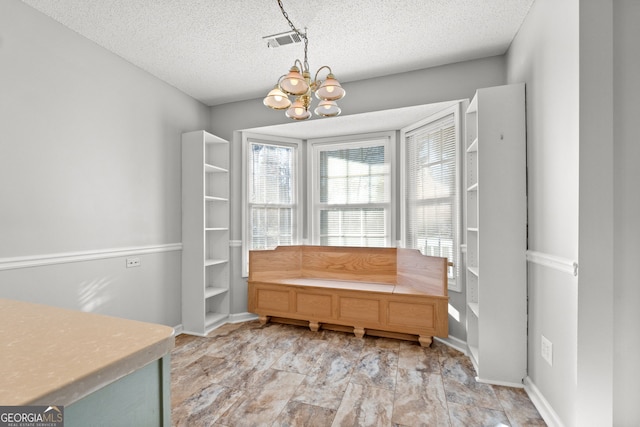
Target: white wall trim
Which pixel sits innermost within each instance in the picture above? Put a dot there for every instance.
(453, 342)
(242, 317)
(235, 243)
(500, 383)
(546, 411)
(67, 257)
(232, 318)
(552, 261)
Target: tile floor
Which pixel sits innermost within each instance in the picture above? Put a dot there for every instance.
(280, 375)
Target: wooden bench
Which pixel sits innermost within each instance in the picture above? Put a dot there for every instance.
(391, 292)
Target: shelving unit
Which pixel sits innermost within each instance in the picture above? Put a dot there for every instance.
(496, 215)
(205, 232)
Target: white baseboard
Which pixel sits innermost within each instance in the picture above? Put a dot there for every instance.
(453, 342)
(546, 411)
(232, 318)
(242, 317)
(501, 383)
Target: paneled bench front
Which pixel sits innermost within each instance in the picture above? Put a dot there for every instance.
(381, 291)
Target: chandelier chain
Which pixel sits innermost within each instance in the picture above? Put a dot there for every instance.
(302, 36)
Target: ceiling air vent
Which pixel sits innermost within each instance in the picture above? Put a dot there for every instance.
(282, 39)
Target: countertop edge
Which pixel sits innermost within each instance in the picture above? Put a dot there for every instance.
(82, 387)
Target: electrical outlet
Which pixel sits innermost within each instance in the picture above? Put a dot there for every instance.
(133, 262)
(546, 350)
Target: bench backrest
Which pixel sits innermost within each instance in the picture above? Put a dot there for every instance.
(422, 274)
(407, 269)
(376, 265)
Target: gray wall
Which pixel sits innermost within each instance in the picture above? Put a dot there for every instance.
(594, 404)
(626, 175)
(544, 55)
(89, 161)
(446, 83)
(580, 63)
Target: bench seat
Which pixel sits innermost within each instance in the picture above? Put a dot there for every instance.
(372, 290)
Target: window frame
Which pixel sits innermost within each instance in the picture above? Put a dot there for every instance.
(299, 176)
(349, 141)
(454, 283)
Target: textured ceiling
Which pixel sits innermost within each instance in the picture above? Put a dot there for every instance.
(213, 49)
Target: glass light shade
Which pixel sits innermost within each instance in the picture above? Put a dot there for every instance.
(327, 109)
(277, 99)
(330, 89)
(297, 111)
(293, 83)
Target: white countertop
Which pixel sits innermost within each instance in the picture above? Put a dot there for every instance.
(55, 356)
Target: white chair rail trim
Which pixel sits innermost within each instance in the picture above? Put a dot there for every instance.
(552, 261)
(67, 257)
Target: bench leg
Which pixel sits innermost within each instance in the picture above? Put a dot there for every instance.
(314, 326)
(263, 320)
(358, 332)
(425, 341)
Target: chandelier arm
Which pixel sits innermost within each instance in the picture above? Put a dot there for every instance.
(280, 79)
(302, 36)
(315, 79)
(298, 62)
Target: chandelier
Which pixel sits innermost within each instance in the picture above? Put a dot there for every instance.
(298, 84)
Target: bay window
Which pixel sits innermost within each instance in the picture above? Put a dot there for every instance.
(352, 191)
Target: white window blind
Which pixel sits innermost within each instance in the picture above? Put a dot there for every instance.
(272, 212)
(431, 196)
(352, 201)
(271, 195)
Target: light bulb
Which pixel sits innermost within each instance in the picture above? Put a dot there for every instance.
(278, 98)
(294, 82)
(330, 89)
(299, 111)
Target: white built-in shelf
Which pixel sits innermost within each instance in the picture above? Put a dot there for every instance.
(496, 234)
(474, 355)
(210, 262)
(215, 199)
(473, 105)
(206, 294)
(475, 308)
(214, 169)
(212, 318)
(213, 291)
